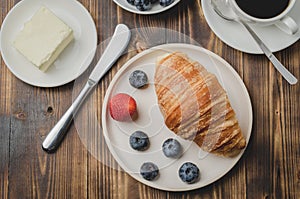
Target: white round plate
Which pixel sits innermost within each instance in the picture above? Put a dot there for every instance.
(150, 120)
(73, 61)
(154, 10)
(234, 35)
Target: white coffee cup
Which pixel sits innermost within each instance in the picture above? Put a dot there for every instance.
(282, 20)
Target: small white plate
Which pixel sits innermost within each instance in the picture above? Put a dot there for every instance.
(154, 10)
(234, 35)
(73, 61)
(150, 120)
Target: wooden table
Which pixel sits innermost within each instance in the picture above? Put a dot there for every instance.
(268, 169)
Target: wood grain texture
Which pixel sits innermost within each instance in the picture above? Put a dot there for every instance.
(83, 166)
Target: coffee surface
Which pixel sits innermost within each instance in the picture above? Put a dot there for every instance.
(263, 8)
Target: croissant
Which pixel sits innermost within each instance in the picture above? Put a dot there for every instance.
(195, 106)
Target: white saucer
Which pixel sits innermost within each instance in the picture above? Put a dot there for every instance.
(154, 10)
(151, 121)
(74, 59)
(234, 35)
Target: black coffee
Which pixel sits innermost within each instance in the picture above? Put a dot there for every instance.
(263, 8)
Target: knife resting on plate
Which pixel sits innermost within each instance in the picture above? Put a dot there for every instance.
(113, 51)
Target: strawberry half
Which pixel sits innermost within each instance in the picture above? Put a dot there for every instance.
(122, 107)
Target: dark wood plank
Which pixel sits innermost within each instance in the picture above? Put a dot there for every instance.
(5, 124)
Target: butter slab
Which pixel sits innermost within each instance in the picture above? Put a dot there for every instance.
(43, 38)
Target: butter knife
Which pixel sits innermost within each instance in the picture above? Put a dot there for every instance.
(113, 51)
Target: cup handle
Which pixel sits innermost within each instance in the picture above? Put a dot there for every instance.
(288, 25)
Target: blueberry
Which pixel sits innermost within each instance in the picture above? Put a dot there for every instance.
(165, 3)
(189, 173)
(143, 5)
(130, 2)
(139, 141)
(172, 148)
(138, 79)
(149, 171)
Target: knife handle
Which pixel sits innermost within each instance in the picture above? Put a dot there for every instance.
(58, 132)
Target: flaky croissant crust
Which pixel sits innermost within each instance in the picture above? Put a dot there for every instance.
(195, 106)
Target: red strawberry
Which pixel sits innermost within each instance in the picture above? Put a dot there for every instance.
(122, 107)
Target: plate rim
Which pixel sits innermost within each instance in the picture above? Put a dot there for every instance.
(81, 70)
(149, 12)
(120, 72)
